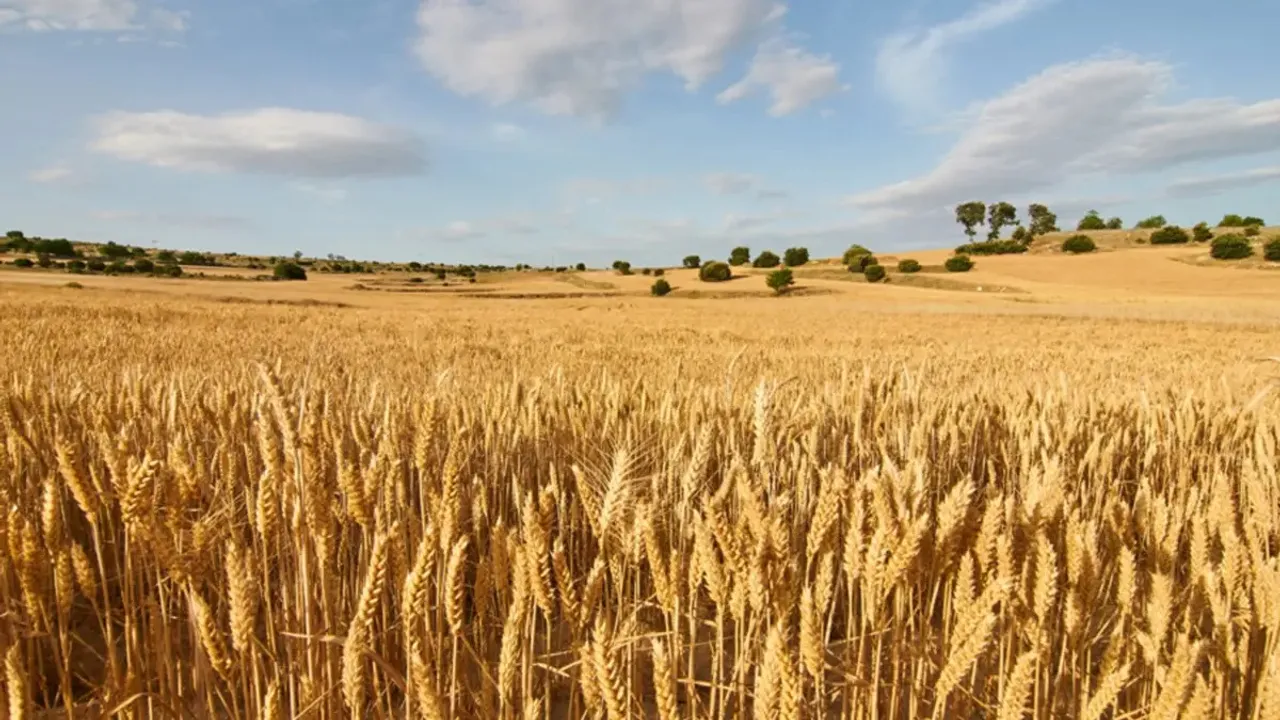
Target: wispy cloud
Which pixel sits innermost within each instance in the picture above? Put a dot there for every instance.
(911, 65)
(1216, 184)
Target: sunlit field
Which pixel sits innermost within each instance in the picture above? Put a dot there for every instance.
(312, 501)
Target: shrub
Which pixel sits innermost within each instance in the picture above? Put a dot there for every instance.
(1169, 235)
(1092, 221)
(646, 271)
(1078, 244)
(76, 266)
(908, 266)
(1201, 232)
(96, 265)
(1230, 247)
(112, 250)
(580, 267)
(992, 247)
(1115, 223)
(741, 255)
(959, 263)
(23, 262)
(1251, 220)
(692, 261)
(1252, 231)
(144, 265)
(660, 287)
(780, 280)
(766, 259)
(796, 256)
(1271, 251)
(118, 267)
(622, 266)
(73, 285)
(1153, 222)
(862, 262)
(659, 272)
(166, 256)
(44, 261)
(57, 248)
(715, 271)
(874, 273)
(416, 280)
(853, 253)
(289, 271)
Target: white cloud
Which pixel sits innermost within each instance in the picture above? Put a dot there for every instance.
(746, 223)
(910, 65)
(1215, 184)
(54, 174)
(731, 183)
(93, 15)
(507, 132)
(462, 230)
(1076, 120)
(580, 57)
(274, 141)
(793, 77)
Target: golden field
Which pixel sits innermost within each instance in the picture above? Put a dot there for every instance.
(1056, 497)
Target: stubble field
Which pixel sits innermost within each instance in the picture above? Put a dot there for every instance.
(309, 501)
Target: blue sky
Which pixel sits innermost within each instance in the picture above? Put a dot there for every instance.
(558, 131)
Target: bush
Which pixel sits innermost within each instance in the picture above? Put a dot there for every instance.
(874, 273)
(144, 265)
(112, 250)
(659, 272)
(1201, 232)
(74, 285)
(715, 271)
(1230, 247)
(1251, 220)
(766, 259)
(1115, 223)
(23, 262)
(1169, 235)
(1252, 231)
(96, 265)
(1271, 251)
(780, 280)
(289, 271)
(118, 267)
(992, 247)
(1153, 222)
(796, 256)
(580, 267)
(741, 255)
(959, 263)
(166, 256)
(646, 271)
(853, 253)
(622, 266)
(908, 266)
(692, 261)
(57, 248)
(862, 262)
(1092, 221)
(44, 261)
(660, 287)
(76, 266)
(170, 270)
(1078, 244)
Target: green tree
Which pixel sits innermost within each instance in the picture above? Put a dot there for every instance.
(1251, 220)
(15, 235)
(1230, 247)
(1153, 222)
(766, 259)
(999, 215)
(853, 253)
(780, 280)
(908, 266)
(740, 255)
(958, 263)
(1091, 221)
(715, 271)
(289, 271)
(1231, 220)
(971, 215)
(1115, 223)
(1170, 235)
(1020, 234)
(580, 267)
(1201, 232)
(874, 273)
(796, 256)
(692, 261)
(144, 265)
(660, 287)
(112, 250)
(1042, 220)
(1077, 244)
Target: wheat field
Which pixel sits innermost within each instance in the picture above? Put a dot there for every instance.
(613, 509)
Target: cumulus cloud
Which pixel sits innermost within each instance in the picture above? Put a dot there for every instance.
(273, 141)
(793, 77)
(1216, 184)
(90, 15)
(910, 65)
(580, 57)
(1077, 119)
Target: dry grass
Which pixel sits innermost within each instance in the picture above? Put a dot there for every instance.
(704, 510)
